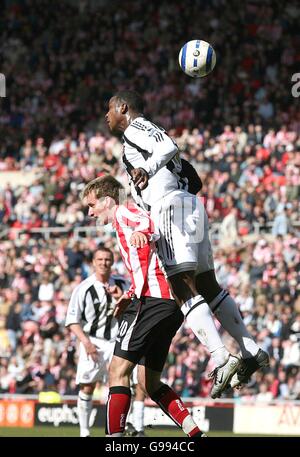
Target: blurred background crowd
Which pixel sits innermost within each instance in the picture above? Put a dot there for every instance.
(239, 127)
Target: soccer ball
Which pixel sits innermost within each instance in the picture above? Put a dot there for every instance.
(197, 58)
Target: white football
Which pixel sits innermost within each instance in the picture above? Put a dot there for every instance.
(197, 58)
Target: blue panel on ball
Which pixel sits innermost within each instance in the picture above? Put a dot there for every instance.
(197, 47)
(209, 59)
(183, 57)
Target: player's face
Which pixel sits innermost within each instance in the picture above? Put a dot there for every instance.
(102, 262)
(97, 208)
(114, 116)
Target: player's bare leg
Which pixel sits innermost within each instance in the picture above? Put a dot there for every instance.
(167, 400)
(135, 419)
(119, 398)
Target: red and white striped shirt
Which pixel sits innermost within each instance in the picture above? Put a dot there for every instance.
(142, 263)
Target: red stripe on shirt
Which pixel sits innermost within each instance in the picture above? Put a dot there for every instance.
(122, 240)
(150, 273)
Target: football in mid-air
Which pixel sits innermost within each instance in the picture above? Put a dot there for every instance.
(197, 58)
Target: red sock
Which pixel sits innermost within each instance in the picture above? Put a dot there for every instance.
(117, 408)
(172, 405)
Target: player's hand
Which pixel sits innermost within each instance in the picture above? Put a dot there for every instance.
(121, 305)
(140, 178)
(91, 351)
(114, 291)
(138, 240)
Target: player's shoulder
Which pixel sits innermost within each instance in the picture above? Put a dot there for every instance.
(118, 280)
(129, 209)
(85, 284)
(140, 124)
(121, 211)
(136, 133)
(142, 127)
(154, 131)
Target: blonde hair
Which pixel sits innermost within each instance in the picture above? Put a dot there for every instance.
(106, 186)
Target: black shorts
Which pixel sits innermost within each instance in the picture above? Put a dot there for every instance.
(146, 331)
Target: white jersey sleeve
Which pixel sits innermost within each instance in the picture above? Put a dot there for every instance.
(163, 152)
(75, 307)
(156, 147)
(149, 146)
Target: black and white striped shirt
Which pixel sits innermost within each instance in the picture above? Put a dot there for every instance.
(148, 146)
(91, 306)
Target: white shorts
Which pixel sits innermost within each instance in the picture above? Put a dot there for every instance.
(184, 243)
(89, 371)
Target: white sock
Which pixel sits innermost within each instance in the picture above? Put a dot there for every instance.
(84, 409)
(199, 319)
(138, 415)
(227, 312)
(188, 424)
(129, 419)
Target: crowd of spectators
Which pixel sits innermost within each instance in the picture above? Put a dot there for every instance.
(239, 128)
(260, 268)
(62, 64)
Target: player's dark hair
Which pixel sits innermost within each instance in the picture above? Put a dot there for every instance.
(106, 186)
(104, 249)
(132, 99)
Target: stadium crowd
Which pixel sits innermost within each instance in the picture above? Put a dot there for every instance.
(239, 128)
